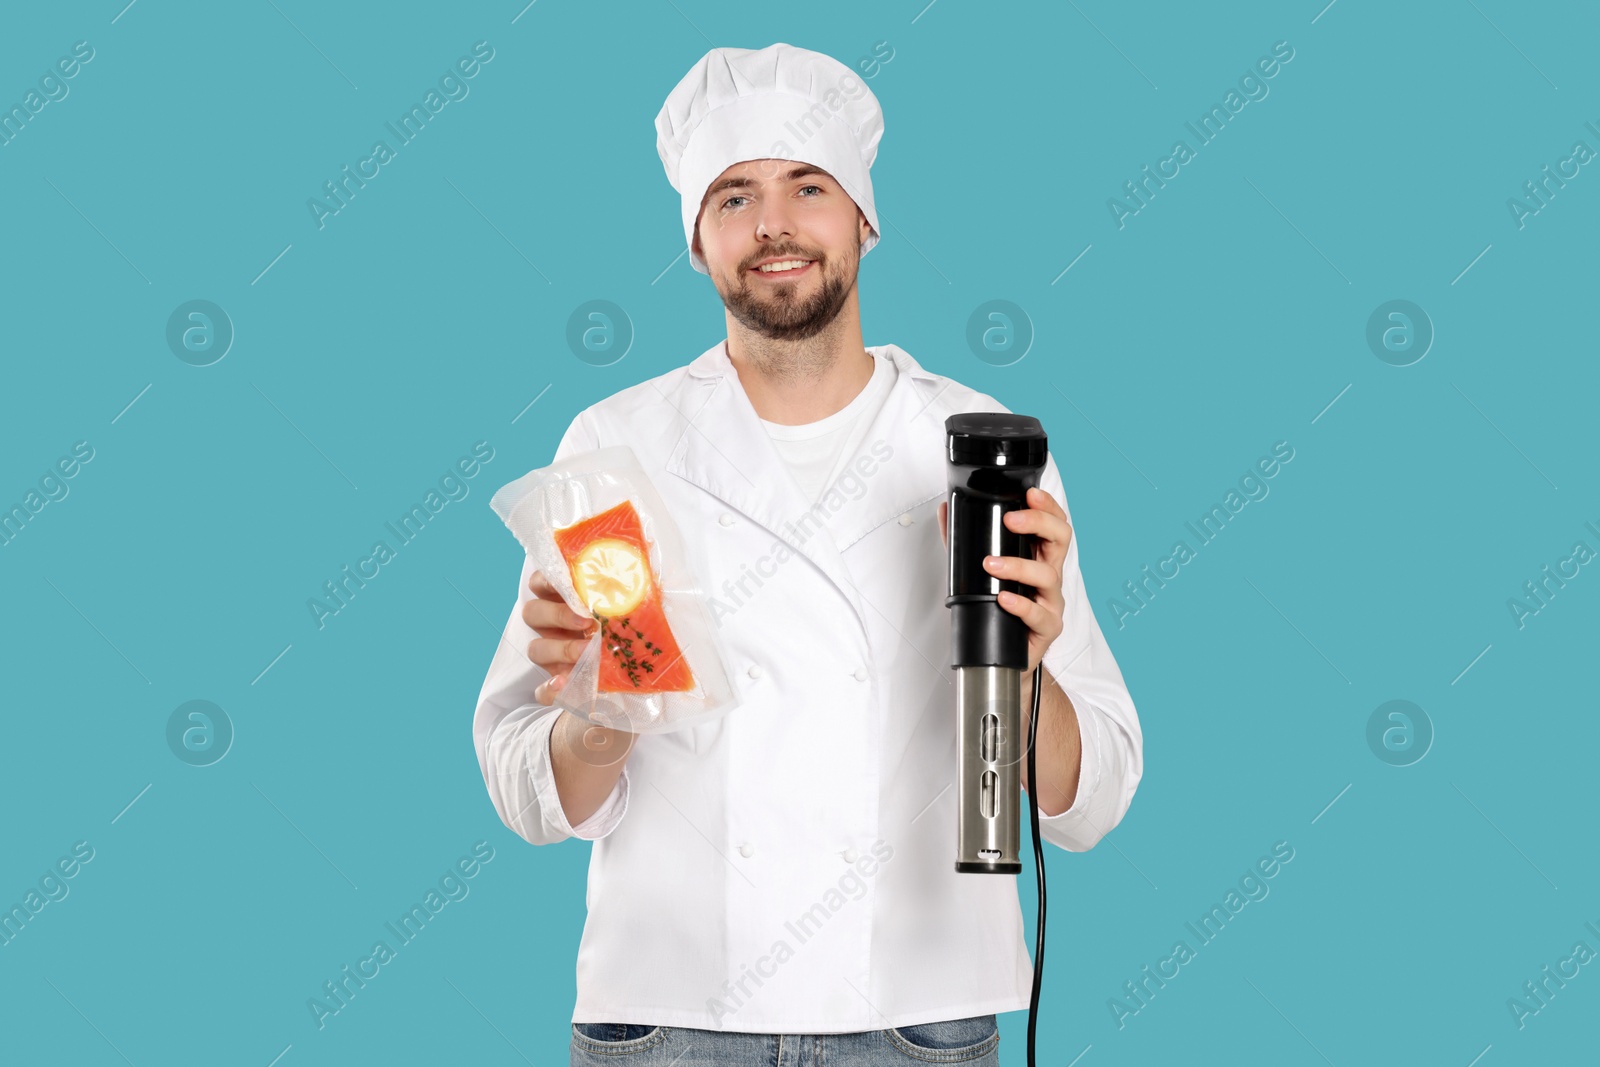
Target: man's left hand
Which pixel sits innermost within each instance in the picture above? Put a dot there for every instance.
(1046, 520)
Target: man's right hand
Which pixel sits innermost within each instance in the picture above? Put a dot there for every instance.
(562, 634)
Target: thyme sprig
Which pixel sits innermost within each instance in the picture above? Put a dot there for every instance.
(614, 634)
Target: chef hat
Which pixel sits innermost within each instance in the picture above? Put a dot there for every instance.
(778, 102)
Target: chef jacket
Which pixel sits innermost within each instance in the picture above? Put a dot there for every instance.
(789, 867)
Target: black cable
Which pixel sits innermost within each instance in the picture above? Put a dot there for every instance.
(1038, 864)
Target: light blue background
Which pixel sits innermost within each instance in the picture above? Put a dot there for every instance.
(1226, 316)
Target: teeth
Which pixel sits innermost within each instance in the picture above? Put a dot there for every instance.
(788, 264)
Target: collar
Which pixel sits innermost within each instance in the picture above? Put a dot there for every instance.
(726, 451)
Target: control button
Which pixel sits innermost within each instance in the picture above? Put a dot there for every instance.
(851, 855)
(861, 674)
(754, 671)
(745, 851)
(905, 520)
(725, 518)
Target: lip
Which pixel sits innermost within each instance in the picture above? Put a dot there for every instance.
(783, 275)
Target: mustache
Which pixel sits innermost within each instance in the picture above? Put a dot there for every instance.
(782, 253)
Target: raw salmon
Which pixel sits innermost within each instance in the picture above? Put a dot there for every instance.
(609, 561)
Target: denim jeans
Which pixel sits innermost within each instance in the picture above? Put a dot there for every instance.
(973, 1041)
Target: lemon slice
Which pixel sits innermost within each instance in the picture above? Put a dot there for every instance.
(611, 577)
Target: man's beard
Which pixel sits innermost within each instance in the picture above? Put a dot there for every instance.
(782, 315)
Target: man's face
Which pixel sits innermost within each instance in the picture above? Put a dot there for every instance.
(766, 211)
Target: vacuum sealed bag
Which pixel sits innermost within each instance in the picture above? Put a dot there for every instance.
(598, 530)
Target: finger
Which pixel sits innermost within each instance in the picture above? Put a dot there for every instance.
(1037, 573)
(944, 533)
(562, 671)
(539, 585)
(1042, 500)
(1053, 532)
(1037, 617)
(546, 651)
(556, 634)
(1039, 521)
(545, 694)
(541, 614)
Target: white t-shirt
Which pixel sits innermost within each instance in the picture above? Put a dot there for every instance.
(817, 451)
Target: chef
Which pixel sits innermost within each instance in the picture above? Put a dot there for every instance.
(780, 881)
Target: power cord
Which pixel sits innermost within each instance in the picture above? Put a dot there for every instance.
(1038, 864)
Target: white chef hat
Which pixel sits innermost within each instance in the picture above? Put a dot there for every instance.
(778, 102)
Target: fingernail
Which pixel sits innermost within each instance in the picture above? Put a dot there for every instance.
(559, 682)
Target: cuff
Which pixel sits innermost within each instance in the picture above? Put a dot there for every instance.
(605, 818)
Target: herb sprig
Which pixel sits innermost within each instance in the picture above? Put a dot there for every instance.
(614, 634)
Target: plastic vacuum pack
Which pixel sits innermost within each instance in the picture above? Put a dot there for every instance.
(598, 530)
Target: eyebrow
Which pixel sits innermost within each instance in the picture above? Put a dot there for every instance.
(745, 183)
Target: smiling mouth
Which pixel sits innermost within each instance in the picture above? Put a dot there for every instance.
(787, 268)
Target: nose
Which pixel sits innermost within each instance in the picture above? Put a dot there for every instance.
(774, 220)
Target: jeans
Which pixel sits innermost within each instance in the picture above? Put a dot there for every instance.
(973, 1041)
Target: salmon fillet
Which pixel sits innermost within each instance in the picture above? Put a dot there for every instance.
(609, 561)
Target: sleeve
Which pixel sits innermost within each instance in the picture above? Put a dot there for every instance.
(512, 733)
(1113, 744)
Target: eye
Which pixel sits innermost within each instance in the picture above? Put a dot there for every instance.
(731, 199)
(818, 188)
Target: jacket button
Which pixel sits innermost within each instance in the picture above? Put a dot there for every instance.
(850, 855)
(861, 674)
(745, 851)
(905, 520)
(725, 518)
(754, 671)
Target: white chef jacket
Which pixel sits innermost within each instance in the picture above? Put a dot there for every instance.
(790, 867)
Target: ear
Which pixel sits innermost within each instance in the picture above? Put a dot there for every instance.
(695, 244)
(699, 219)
